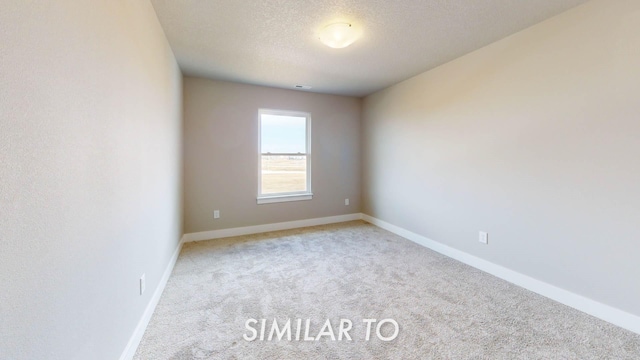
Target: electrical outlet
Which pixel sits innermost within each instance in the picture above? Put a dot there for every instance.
(143, 284)
(483, 237)
(346, 202)
(216, 214)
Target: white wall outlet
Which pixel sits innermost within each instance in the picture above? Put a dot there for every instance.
(346, 202)
(483, 237)
(143, 284)
(216, 214)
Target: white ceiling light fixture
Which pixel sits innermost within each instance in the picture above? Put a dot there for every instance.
(338, 35)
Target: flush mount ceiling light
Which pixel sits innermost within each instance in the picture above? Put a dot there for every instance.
(338, 35)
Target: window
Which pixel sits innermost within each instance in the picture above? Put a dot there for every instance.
(285, 156)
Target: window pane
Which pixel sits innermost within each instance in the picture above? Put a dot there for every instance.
(282, 174)
(283, 134)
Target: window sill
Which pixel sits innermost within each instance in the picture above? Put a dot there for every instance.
(284, 198)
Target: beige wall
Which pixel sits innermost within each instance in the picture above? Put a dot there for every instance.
(221, 154)
(535, 139)
(90, 173)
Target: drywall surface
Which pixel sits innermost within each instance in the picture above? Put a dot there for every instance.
(221, 154)
(90, 173)
(533, 139)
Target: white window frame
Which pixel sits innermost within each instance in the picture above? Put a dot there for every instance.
(287, 196)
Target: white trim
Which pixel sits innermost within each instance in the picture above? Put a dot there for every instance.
(602, 311)
(284, 198)
(307, 153)
(216, 234)
(136, 337)
(292, 113)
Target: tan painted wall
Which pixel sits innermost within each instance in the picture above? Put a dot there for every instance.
(535, 139)
(90, 173)
(221, 154)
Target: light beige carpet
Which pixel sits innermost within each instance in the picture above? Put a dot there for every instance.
(355, 271)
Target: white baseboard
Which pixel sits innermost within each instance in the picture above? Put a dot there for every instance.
(136, 337)
(247, 230)
(604, 312)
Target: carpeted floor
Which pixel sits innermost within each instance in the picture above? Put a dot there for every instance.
(356, 271)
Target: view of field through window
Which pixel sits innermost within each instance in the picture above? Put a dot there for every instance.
(284, 173)
(284, 153)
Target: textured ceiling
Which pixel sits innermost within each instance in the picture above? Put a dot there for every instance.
(275, 42)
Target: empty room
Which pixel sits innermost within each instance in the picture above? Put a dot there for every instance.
(297, 179)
